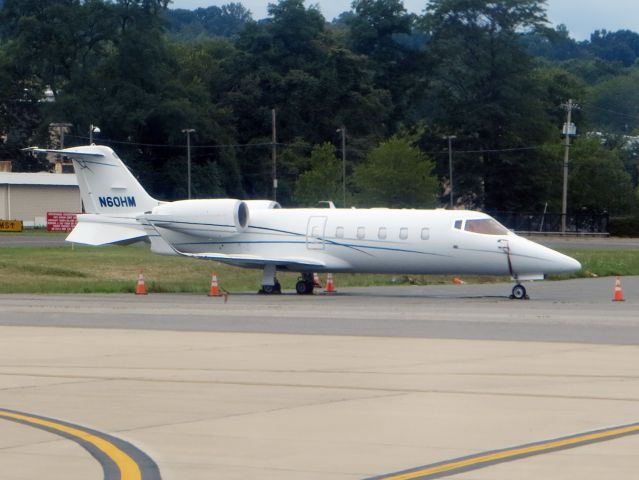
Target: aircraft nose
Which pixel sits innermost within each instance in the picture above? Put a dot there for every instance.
(540, 258)
(574, 265)
(560, 263)
(567, 264)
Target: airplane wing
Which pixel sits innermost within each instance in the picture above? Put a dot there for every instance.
(253, 260)
(239, 259)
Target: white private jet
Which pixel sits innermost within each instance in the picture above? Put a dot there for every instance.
(261, 234)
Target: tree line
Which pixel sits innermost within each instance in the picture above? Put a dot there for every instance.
(488, 77)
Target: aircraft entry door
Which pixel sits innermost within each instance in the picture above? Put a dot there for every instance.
(315, 233)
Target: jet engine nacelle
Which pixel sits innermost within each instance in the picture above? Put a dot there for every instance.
(217, 218)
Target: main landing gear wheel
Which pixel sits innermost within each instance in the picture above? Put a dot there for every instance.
(271, 289)
(305, 284)
(303, 288)
(519, 293)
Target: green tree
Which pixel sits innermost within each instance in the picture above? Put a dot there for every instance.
(627, 149)
(620, 46)
(553, 44)
(53, 44)
(139, 88)
(292, 64)
(613, 104)
(376, 25)
(383, 31)
(225, 21)
(593, 70)
(483, 88)
(396, 174)
(598, 182)
(323, 181)
(19, 106)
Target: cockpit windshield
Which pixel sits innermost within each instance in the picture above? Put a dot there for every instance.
(487, 226)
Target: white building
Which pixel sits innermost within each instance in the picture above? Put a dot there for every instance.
(29, 196)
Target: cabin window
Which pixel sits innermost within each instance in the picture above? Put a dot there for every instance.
(339, 232)
(315, 232)
(381, 233)
(361, 232)
(403, 233)
(487, 226)
(425, 233)
(458, 224)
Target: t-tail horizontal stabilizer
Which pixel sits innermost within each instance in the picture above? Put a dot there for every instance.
(101, 230)
(106, 184)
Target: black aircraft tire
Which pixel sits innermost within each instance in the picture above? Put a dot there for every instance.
(304, 288)
(301, 287)
(519, 292)
(270, 289)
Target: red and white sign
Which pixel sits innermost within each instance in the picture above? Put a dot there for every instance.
(61, 221)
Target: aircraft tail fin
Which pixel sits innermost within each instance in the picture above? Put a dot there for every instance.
(106, 184)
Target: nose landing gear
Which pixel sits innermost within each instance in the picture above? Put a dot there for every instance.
(519, 293)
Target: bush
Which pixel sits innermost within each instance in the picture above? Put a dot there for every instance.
(624, 226)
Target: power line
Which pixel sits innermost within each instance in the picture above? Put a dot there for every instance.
(494, 150)
(292, 145)
(178, 145)
(621, 114)
(200, 147)
(497, 150)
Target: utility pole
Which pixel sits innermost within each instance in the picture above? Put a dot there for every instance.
(568, 131)
(188, 132)
(274, 154)
(343, 132)
(450, 167)
(62, 128)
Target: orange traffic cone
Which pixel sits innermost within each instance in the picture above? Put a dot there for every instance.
(215, 289)
(140, 289)
(458, 281)
(330, 287)
(317, 283)
(618, 291)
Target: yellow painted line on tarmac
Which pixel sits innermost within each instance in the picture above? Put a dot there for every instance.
(127, 466)
(474, 462)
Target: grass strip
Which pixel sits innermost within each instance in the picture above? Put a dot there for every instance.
(114, 269)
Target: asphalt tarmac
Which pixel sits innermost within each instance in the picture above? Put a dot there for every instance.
(568, 311)
(26, 240)
(356, 385)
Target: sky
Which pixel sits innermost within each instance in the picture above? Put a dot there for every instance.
(582, 17)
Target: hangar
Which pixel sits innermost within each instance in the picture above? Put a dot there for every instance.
(29, 196)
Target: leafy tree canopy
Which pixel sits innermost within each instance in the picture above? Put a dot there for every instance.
(598, 182)
(226, 21)
(323, 181)
(493, 74)
(396, 174)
